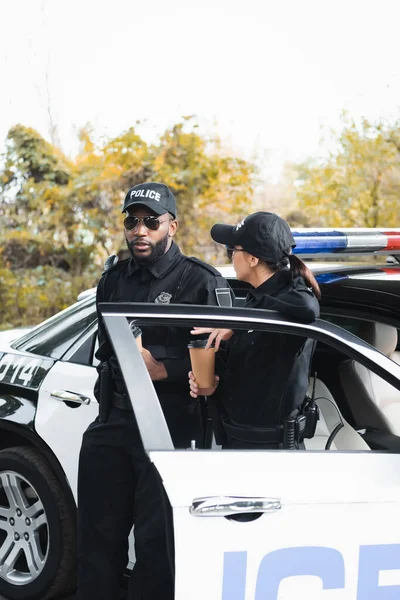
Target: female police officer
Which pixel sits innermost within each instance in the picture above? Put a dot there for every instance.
(266, 376)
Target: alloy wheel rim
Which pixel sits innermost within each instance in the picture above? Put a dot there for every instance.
(24, 530)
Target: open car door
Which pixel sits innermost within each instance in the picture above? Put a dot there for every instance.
(271, 524)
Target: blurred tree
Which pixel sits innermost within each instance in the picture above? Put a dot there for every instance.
(279, 194)
(40, 222)
(28, 296)
(298, 218)
(358, 184)
(64, 216)
(209, 186)
(103, 174)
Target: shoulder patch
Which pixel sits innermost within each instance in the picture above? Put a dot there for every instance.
(110, 263)
(205, 265)
(224, 297)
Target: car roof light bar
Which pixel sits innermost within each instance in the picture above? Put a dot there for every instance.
(346, 241)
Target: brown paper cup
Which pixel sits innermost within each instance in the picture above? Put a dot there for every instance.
(203, 363)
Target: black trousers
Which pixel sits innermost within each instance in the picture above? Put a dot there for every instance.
(118, 486)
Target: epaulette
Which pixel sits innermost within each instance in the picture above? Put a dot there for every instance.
(204, 265)
(110, 263)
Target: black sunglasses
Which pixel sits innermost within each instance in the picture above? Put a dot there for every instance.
(152, 223)
(231, 249)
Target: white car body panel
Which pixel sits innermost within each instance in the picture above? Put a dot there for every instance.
(10, 335)
(61, 426)
(340, 501)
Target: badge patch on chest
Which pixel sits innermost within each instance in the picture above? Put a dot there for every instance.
(163, 298)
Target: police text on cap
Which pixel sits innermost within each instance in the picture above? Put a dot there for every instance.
(146, 194)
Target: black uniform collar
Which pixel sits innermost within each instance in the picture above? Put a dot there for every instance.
(270, 287)
(162, 265)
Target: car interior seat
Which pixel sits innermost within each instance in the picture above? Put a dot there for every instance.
(346, 437)
(373, 402)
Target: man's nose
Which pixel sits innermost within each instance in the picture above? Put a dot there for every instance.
(141, 229)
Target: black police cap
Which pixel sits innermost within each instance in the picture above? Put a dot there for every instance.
(156, 196)
(262, 234)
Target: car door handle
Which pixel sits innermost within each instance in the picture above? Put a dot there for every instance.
(227, 506)
(67, 396)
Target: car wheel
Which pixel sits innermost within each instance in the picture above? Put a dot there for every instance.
(37, 529)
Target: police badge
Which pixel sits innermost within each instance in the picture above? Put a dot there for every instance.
(163, 298)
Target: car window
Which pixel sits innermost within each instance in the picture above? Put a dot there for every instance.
(373, 403)
(95, 361)
(84, 350)
(56, 335)
(81, 352)
(352, 416)
(349, 323)
(354, 325)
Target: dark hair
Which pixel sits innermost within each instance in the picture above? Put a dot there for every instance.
(298, 268)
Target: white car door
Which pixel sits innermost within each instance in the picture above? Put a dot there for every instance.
(323, 521)
(66, 407)
(272, 525)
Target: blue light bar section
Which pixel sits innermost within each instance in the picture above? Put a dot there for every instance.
(319, 242)
(329, 277)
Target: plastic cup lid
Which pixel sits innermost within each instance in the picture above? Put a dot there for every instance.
(137, 332)
(199, 344)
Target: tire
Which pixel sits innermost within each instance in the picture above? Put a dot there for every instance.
(37, 529)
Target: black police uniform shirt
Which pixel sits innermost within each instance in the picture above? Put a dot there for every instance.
(267, 373)
(173, 278)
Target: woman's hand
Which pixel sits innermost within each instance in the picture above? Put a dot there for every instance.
(216, 335)
(195, 391)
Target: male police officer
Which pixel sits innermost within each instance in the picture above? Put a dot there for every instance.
(117, 484)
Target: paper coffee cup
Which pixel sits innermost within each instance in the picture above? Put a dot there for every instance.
(203, 363)
(137, 334)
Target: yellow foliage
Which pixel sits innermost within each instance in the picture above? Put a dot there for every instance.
(357, 186)
(60, 218)
(31, 295)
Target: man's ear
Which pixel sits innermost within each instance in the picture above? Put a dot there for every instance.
(173, 226)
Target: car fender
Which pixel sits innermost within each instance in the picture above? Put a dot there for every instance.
(17, 429)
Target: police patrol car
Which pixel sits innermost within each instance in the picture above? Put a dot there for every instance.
(247, 525)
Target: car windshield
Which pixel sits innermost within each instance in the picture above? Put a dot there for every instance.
(54, 336)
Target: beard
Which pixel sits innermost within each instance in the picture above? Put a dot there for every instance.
(158, 249)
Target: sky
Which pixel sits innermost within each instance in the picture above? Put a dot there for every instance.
(266, 75)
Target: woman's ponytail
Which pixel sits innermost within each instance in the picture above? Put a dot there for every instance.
(298, 267)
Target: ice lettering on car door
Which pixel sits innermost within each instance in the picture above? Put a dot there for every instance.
(319, 561)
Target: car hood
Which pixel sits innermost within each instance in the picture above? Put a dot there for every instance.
(8, 336)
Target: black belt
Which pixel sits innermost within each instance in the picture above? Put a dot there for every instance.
(121, 401)
(253, 435)
(290, 434)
